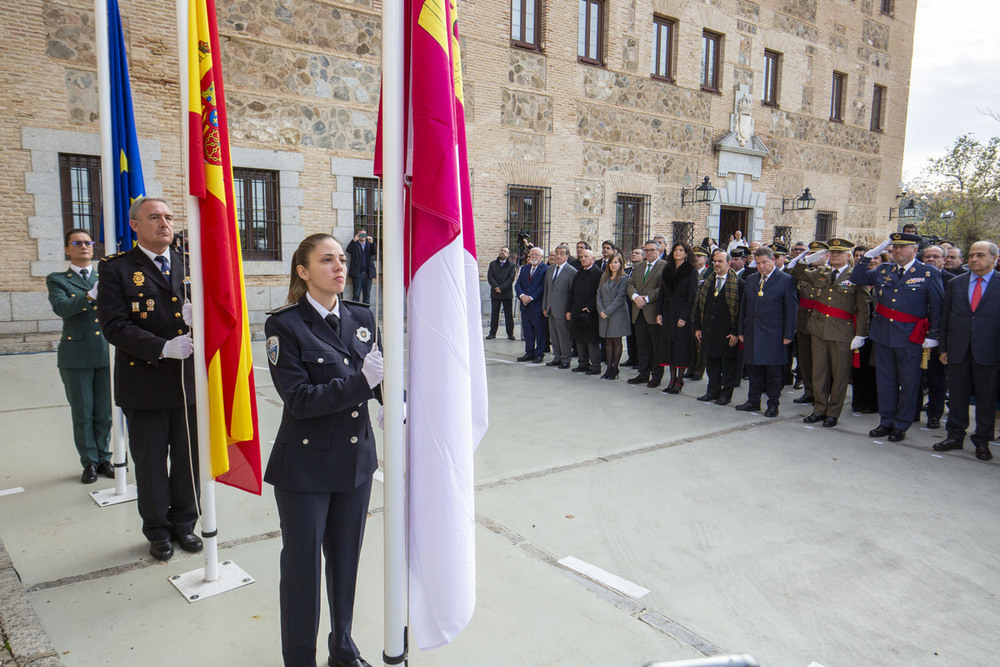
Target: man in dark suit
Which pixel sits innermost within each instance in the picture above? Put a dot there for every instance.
(644, 293)
(908, 297)
(500, 276)
(767, 326)
(529, 288)
(140, 303)
(582, 316)
(82, 357)
(937, 379)
(716, 320)
(362, 269)
(970, 349)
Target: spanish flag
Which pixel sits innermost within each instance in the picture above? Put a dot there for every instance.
(234, 442)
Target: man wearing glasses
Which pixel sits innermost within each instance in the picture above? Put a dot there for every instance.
(82, 358)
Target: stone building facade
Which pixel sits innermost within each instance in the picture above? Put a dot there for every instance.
(563, 147)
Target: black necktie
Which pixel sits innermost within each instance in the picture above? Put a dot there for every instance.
(334, 322)
(833, 276)
(84, 273)
(899, 274)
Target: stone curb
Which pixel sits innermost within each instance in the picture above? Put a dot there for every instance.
(25, 640)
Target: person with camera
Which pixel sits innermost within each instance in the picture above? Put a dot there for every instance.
(362, 268)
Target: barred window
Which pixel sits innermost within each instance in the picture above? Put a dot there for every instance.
(258, 211)
(683, 231)
(368, 207)
(80, 187)
(528, 221)
(785, 233)
(888, 7)
(525, 23)
(631, 221)
(826, 225)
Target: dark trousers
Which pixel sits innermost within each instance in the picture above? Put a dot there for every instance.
(723, 375)
(88, 391)
(362, 288)
(167, 500)
(647, 339)
(508, 316)
(333, 522)
(864, 394)
(765, 379)
(898, 371)
(803, 350)
(937, 385)
(590, 353)
(535, 330)
(966, 378)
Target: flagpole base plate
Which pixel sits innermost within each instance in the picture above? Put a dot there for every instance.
(193, 587)
(108, 497)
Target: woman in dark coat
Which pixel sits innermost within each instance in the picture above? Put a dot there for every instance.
(583, 315)
(680, 283)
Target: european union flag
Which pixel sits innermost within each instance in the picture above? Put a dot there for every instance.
(126, 165)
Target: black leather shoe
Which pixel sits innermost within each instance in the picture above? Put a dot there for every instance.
(748, 407)
(511, 337)
(813, 418)
(947, 445)
(525, 357)
(879, 431)
(554, 362)
(983, 451)
(654, 383)
(705, 398)
(564, 366)
(190, 543)
(771, 412)
(490, 337)
(638, 379)
(538, 360)
(897, 435)
(933, 422)
(631, 363)
(830, 422)
(106, 469)
(722, 400)
(580, 368)
(357, 662)
(693, 377)
(161, 549)
(89, 475)
(802, 400)
(594, 370)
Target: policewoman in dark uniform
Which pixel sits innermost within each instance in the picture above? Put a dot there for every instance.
(909, 295)
(325, 366)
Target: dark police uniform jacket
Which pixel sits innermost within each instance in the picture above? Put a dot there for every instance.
(140, 310)
(82, 345)
(325, 441)
(918, 293)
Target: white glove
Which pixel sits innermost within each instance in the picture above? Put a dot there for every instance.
(795, 260)
(372, 367)
(180, 347)
(186, 313)
(857, 342)
(752, 264)
(879, 249)
(816, 257)
(929, 343)
(93, 293)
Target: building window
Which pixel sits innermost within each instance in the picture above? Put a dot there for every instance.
(631, 221)
(684, 231)
(888, 6)
(527, 219)
(878, 108)
(80, 188)
(772, 74)
(258, 212)
(711, 52)
(525, 23)
(784, 232)
(826, 225)
(837, 97)
(590, 35)
(663, 48)
(368, 207)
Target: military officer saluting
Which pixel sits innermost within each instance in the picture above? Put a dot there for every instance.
(909, 296)
(837, 325)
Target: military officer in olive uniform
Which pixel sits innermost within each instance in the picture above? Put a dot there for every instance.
(838, 325)
(803, 342)
(82, 357)
(909, 296)
(141, 305)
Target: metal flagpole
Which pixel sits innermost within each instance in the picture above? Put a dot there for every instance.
(210, 580)
(394, 443)
(122, 492)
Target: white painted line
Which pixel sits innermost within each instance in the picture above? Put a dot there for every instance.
(814, 664)
(501, 361)
(634, 591)
(924, 428)
(379, 477)
(878, 442)
(856, 414)
(10, 492)
(810, 427)
(937, 456)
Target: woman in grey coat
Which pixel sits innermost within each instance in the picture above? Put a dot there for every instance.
(612, 304)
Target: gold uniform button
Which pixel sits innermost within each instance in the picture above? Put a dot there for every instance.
(96, 320)
(72, 295)
(305, 441)
(177, 314)
(131, 363)
(180, 331)
(894, 301)
(97, 333)
(69, 338)
(354, 414)
(354, 439)
(174, 299)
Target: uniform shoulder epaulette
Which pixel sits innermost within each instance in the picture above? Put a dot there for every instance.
(362, 304)
(281, 309)
(108, 258)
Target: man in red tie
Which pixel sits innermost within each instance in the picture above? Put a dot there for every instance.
(970, 333)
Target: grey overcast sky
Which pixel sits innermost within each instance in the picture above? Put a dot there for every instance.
(956, 72)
